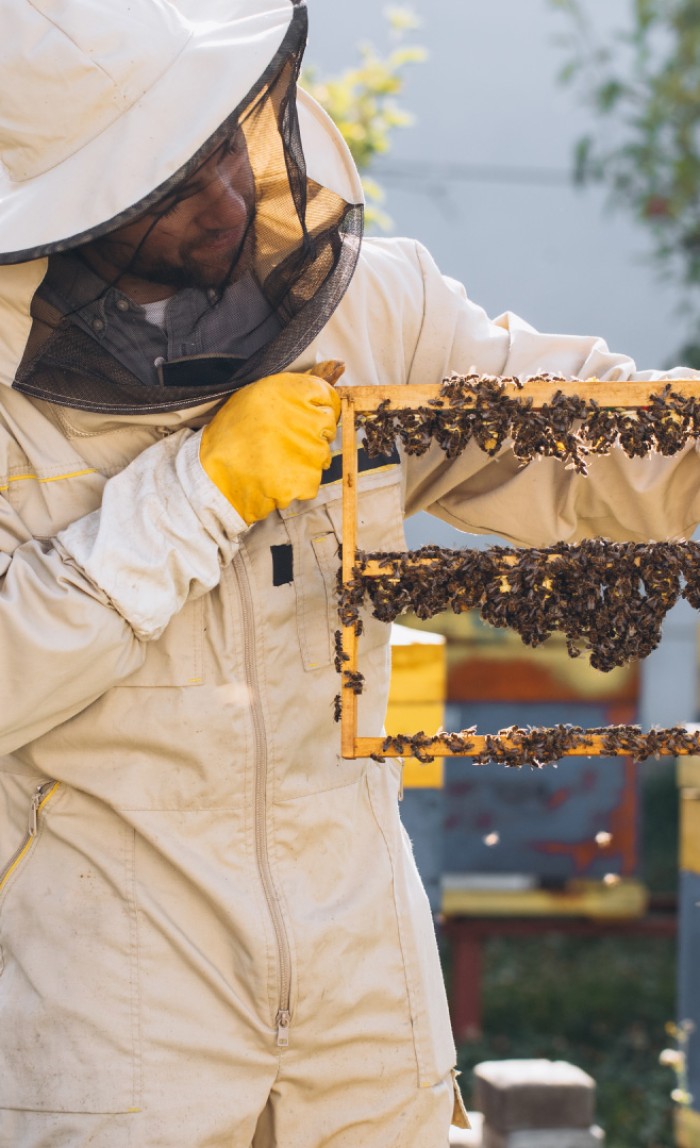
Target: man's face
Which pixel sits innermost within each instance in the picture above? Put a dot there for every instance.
(193, 237)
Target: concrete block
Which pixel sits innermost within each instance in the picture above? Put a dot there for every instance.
(517, 1095)
(592, 1137)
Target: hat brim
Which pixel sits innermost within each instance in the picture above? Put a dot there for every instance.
(145, 150)
(328, 158)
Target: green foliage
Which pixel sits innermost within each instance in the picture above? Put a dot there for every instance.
(660, 828)
(643, 85)
(602, 1004)
(363, 102)
(605, 1004)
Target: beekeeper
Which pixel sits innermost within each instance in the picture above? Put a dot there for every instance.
(212, 932)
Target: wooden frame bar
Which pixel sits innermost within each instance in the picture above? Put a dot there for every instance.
(348, 720)
(355, 400)
(541, 391)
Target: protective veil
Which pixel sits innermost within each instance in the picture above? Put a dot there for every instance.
(298, 254)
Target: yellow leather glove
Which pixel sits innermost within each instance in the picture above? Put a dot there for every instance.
(271, 440)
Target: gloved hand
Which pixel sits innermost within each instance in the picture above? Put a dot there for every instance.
(271, 440)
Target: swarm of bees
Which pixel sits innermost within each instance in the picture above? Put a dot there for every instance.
(609, 598)
(477, 408)
(541, 746)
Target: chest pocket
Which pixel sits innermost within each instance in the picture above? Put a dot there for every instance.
(316, 536)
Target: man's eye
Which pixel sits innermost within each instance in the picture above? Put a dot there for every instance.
(165, 211)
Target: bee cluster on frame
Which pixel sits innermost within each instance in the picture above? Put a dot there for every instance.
(607, 598)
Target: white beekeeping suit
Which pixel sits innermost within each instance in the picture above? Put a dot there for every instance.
(212, 931)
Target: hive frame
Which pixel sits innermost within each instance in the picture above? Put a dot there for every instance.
(363, 400)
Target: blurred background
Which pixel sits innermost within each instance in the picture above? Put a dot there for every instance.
(546, 152)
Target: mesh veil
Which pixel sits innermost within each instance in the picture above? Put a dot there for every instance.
(300, 253)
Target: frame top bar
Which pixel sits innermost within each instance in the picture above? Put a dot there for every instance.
(540, 391)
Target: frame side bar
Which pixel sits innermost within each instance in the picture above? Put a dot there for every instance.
(348, 719)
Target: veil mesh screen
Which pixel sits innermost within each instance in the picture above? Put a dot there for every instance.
(300, 251)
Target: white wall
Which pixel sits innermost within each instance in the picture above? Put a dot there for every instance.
(488, 99)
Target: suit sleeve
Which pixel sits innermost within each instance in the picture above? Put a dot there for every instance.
(537, 504)
(77, 610)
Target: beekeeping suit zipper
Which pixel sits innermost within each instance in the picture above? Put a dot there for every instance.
(272, 896)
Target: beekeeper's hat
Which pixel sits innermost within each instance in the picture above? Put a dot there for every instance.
(105, 107)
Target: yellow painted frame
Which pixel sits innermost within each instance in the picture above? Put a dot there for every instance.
(687, 1128)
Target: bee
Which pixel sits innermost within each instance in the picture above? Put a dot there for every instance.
(354, 681)
(418, 745)
(350, 596)
(340, 655)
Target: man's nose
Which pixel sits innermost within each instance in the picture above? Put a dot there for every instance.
(222, 206)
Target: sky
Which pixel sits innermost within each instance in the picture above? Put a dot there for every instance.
(482, 178)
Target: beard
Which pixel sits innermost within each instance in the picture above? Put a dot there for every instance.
(195, 268)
